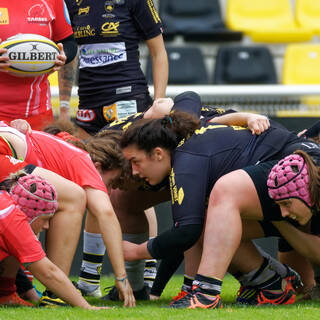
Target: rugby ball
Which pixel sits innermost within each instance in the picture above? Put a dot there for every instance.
(30, 54)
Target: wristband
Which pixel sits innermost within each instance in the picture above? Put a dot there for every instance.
(122, 279)
(65, 104)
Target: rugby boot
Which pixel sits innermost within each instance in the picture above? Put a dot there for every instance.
(183, 292)
(113, 294)
(254, 295)
(196, 299)
(14, 300)
(49, 300)
(257, 296)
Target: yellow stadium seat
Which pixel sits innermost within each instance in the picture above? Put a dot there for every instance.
(301, 64)
(308, 14)
(270, 21)
(53, 79)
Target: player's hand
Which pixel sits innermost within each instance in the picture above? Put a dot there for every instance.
(21, 125)
(258, 123)
(61, 58)
(160, 108)
(130, 250)
(125, 293)
(301, 133)
(153, 297)
(4, 61)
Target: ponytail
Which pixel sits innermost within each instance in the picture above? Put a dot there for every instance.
(167, 132)
(314, 178)
(103, 148)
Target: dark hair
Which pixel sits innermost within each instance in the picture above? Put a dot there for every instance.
(67, 127)
(314, 178)
(13, 178)
(103, 148)
(167, 132)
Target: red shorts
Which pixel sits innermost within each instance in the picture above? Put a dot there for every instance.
(37, 122)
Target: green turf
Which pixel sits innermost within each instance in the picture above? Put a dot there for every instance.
(154, 310)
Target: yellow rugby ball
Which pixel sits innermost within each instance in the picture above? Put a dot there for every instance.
(30, 55)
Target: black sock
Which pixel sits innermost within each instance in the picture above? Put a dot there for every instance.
(207, 285)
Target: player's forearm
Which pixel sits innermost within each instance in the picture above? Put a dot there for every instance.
(306, 244)
(235, 119)
(57, 282)
(66, 77)
(160, 74)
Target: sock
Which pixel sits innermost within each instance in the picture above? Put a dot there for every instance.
(207, 285)
(274, 264)
(150, 272)
(27, 273)
(135, 269)
(7, 286)
(23, 284)
(263, 277)
(187, 283)
(93, 252)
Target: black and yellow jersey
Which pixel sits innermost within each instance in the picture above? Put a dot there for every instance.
(108, 34)
(211, 152)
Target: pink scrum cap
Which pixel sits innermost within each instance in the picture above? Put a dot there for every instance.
(34, 196)
(289, 179)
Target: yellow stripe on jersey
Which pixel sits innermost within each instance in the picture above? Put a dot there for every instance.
(154, 12)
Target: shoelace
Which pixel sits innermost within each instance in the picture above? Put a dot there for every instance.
(180, 295)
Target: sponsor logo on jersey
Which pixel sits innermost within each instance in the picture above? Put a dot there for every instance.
(13, 160)
(101, 54)
(110, 112)
(36, 14)
(4, 16)
(78, 2)
(84, 11)
(110, 29)
(85, 115)
(203, 130)
(83, 32)
(177, 195)
(5, 212)
(108, 6)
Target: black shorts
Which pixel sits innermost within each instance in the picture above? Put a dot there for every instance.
(94, 119)
(259, 176)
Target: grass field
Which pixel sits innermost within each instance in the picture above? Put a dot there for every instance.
(154, 310)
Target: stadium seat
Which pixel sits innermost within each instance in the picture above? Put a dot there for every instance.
(199, 20)
(301, 64)
(270, 21)
(53, 79)
(186, 66)
(244, 65)
(308, 14)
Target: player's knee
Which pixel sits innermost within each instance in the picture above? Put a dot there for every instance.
(75, 202)
(222, 191)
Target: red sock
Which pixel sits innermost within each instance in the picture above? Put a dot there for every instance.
(7, 286)
(27, 272)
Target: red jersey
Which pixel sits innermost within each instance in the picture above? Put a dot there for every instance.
(8, 161)
(24, 97)
(16, 236)
(52, 153)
